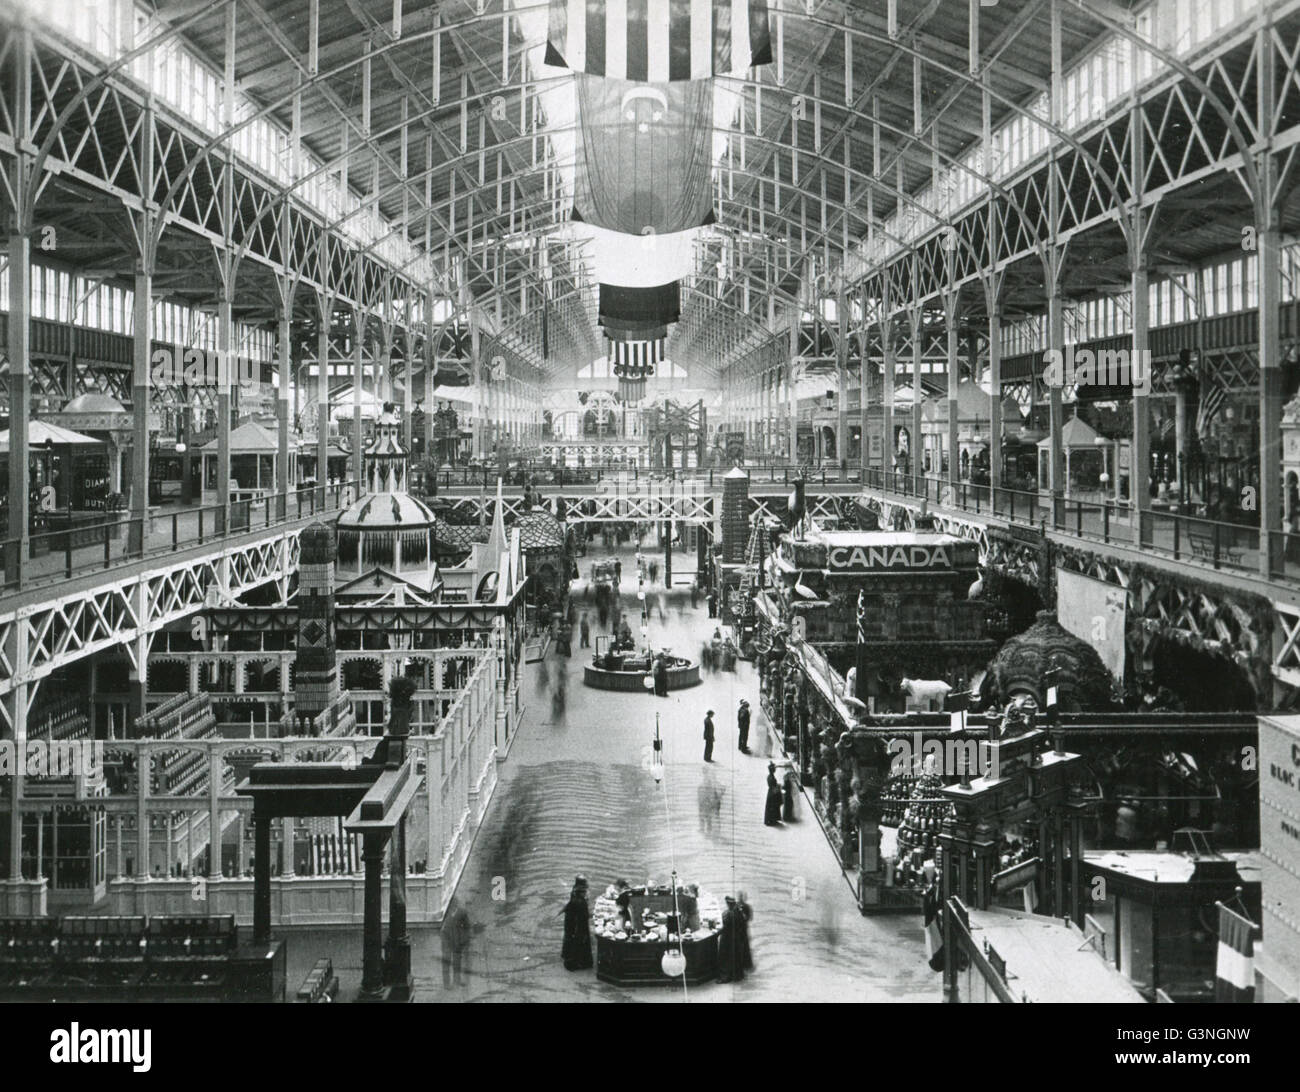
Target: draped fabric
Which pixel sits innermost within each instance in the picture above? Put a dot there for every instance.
(644, 162)
(640, 307)
(658, 41)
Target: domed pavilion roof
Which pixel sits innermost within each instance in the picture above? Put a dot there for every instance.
(1021, 666)
(387, 511)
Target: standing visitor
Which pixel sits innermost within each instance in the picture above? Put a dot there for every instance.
(577, 929)
(745, 914)
(708, 736)
(456, 933)
(787, 793)
(661, 676)
(584, 629)
(742, 724)
(731, 956)
(772, 809)
(713, 604)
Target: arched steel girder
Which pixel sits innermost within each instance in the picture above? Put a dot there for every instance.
(98, 80)
(534, 276)
(821, 161)
(843, 27)
(383, 47)
(902, 196)
(1166, 58)
(320, 78)
(1060, 134)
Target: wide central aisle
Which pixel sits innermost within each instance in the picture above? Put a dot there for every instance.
(577, 796)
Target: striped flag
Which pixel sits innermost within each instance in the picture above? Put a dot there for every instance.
(1235, 968)
(638, 355)
(658, 41)
(1213, 395)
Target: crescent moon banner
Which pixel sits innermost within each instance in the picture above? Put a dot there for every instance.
(644, 156)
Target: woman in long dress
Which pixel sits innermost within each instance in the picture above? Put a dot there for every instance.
(787, 805)
(577, 929)
(772, 811)
(731, 954)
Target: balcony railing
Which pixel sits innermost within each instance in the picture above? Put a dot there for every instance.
(1165, 532)
(52, 556)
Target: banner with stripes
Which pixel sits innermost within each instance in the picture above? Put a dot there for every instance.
(658, 41)
(636, 355)
(1235, 967)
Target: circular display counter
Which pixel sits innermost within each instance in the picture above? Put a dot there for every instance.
(614, 672)
(634, 957)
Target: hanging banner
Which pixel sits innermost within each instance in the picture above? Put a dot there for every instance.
(640, 261)
(1096, 612)
(640, 307)
(658, 41)
(644, 155)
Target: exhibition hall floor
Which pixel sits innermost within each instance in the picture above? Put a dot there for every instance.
(576, 796)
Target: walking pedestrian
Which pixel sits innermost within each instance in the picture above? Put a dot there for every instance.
(708, 737)
(456, 933)
(661, 676)
(584, 629)
(576, 950)
(742, 724)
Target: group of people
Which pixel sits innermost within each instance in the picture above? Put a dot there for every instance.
(718, 653)
(778, 806)
(735, 956)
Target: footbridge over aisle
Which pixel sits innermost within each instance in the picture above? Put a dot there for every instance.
(1191, 581)
(693, 501)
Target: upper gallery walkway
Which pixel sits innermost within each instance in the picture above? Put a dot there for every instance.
(1171, 530)
(64, 551)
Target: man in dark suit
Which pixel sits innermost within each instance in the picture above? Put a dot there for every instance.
(742, 723)
(708, 736)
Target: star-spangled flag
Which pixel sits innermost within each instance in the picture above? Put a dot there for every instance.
(1213, 396)
(658, 41)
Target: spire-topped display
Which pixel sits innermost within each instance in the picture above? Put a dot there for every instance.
(386, 460)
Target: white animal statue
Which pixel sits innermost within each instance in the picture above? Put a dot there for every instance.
(925, 695)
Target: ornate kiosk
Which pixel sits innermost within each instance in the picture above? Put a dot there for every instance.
(630, 950)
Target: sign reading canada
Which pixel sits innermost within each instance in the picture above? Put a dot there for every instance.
(859, 559)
